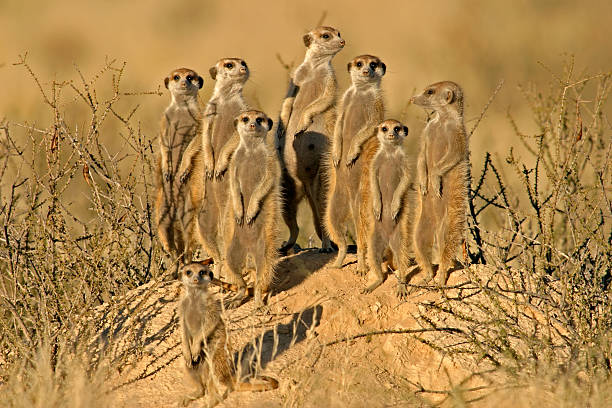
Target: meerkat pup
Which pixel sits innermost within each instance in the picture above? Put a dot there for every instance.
(308, 116)
(389, 180)
(205, 346)
(251, 227)
(206, 153)
(180, 124)
(360, 111)
(442, 179)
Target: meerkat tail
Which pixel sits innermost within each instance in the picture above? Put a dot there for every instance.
(267, 384)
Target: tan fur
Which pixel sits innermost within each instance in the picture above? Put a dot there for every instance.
(387, 207)
(252, 215)
(211, 154)
(360, 111)
(205, 345)
(442, 179)
(180, 124)
(306, 123)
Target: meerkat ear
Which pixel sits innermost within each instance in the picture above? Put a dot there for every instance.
(166, 80)
(200, 82)
(213, 72)
(270, 123)
(348, 66)
(450, 96)
(208, 261)
(406, 130)
(307, 40)
(384, 67)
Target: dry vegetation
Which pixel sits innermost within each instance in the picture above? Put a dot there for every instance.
(533, 327)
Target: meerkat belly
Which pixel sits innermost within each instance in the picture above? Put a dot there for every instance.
(437, 145)
(249, 177)
(388, 179)
(180, 132)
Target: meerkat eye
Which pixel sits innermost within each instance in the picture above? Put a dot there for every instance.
(243, 63)
(229, 65)
(359, 64)
(384, 128)
(202, 272)
(189, 78)
(430, 92)
(176, 77)
(188, 272)
(338, 33)
(325, 36)
(373, 65)
(245, 119)
(396, 129)
(259, 120)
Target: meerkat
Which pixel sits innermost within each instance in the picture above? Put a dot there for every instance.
(388, 183)
(251, 227)
(205, 153)
(442, 179)
(307, 120)
(180, 124)
(205, 345)
(360, 110)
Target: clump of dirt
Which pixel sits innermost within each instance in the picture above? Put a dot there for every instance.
(327, 344)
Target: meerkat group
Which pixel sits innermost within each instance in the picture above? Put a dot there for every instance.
(227, 174)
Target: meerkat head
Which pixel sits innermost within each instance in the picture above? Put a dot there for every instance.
(391, 132)
(230, 70)
(183, 81)
(323, 41)
(253, 123)
(366, 69)
(441, 95)
(196, 274)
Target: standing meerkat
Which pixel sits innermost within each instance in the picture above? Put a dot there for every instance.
(442, 179)
(205, 345)
(307, 120)
(360, 111)
(251, 226)
(389, 181)
(180, 124)
(206, 153)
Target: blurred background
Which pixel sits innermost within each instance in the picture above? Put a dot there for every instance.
(475, 43)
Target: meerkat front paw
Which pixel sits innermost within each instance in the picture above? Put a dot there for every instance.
(251, 215)
(372, 287)
(336, 158)
(436, 184)
(396, 208)
(377, 209)
(352, 157)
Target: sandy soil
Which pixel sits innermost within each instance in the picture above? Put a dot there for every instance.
(312, 306)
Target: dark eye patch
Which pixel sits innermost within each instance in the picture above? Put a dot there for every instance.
(430, 92)
(325, 36)
(189, 78)
(373, 65)
(188, 272)
(202, 272)
(176, 77)
(396, 129)
(359, 64)
(229, 65)
(245, 119)
(259, 120)
(243, 63)
(384, 128)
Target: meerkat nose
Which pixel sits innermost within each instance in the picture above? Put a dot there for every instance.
(252, 126)
(342, 43)
(243, 70)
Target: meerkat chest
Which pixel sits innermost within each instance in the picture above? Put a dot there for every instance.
(437, 142)
(195, 313)
(183, 124)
